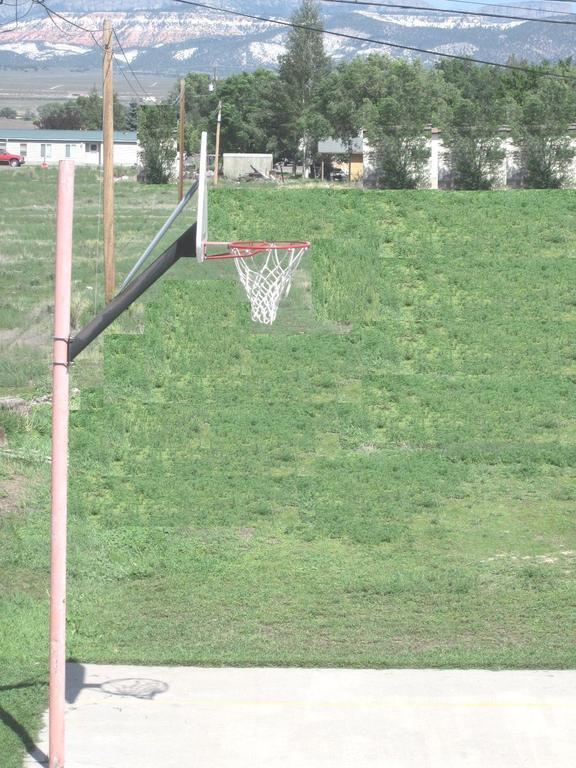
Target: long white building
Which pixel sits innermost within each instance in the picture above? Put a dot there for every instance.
(84, 147)
(438, 172)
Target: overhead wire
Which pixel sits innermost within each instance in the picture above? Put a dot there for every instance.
(17, 18)
(375, 41)
(51, 13)
(514, 6)
(138, 95)
(571, 2)
(134, 75)
(451, 11)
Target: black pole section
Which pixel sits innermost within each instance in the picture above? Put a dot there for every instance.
(185, 245)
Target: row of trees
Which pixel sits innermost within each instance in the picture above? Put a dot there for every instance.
(393, 101)
(84, 113)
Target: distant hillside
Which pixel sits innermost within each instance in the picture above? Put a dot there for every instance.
(165, 37)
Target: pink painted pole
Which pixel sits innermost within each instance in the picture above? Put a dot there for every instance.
(60, 410)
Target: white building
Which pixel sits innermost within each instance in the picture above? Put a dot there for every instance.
(84, 147)
(236, 164)
(438, 172)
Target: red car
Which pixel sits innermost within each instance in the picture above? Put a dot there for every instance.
(13, 160)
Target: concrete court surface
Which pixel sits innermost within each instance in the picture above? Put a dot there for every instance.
(190, 717)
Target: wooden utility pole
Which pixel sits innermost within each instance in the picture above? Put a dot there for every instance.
(108, 163)
(217, 158)
(181, 126)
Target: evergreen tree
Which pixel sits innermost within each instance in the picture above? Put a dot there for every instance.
(301, 71)
(131, 122)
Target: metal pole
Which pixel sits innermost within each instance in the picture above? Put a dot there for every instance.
(217, 158)
(185, 245)
(181, 126)
(108, 161)
(160, 234)
(60, 396)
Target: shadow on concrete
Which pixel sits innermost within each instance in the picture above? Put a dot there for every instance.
(133, 687)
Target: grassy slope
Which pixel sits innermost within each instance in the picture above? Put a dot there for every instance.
(388, 481)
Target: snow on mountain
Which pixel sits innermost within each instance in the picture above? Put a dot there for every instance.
(185, 53)
(157, 38)
(129, 55)
(438, 21)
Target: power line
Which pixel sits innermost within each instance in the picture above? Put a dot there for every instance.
(134, 91)
(17, 18)
(70, 35)
(374, 41)
(129, 65)
(518, 7)
(51, 13)
(448, 10)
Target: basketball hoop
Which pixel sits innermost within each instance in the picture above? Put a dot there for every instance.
(265, 271)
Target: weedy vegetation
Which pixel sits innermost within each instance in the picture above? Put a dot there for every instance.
(385, 478)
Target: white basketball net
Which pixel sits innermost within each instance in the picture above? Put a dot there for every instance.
(269, 281)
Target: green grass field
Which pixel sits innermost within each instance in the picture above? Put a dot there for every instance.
(384, 478)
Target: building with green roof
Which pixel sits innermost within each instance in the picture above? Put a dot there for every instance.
(40, 146)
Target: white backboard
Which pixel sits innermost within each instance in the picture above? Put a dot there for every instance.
(202, 213)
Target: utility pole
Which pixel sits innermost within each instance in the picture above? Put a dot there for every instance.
(217, 158)
(108, 161)
(181, 126)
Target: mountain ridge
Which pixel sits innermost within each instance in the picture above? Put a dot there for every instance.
(183, 39)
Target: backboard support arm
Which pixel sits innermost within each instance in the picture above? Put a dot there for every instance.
(184, 246)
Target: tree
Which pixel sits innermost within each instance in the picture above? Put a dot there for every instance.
(81, 114)
(156, 134)
(477, 110)
(394, 102)
(397, 124)
(301, 70)
(199, 104)
(348, 91)
(131, 121)
(250, 112)
(9, 113)
(540, 129)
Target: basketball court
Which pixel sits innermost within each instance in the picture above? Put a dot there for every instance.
(176, 717)
(265, 270)
(145, 717)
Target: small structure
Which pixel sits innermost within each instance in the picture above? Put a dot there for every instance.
(345, 156)
(237, 164)
(39, 146)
